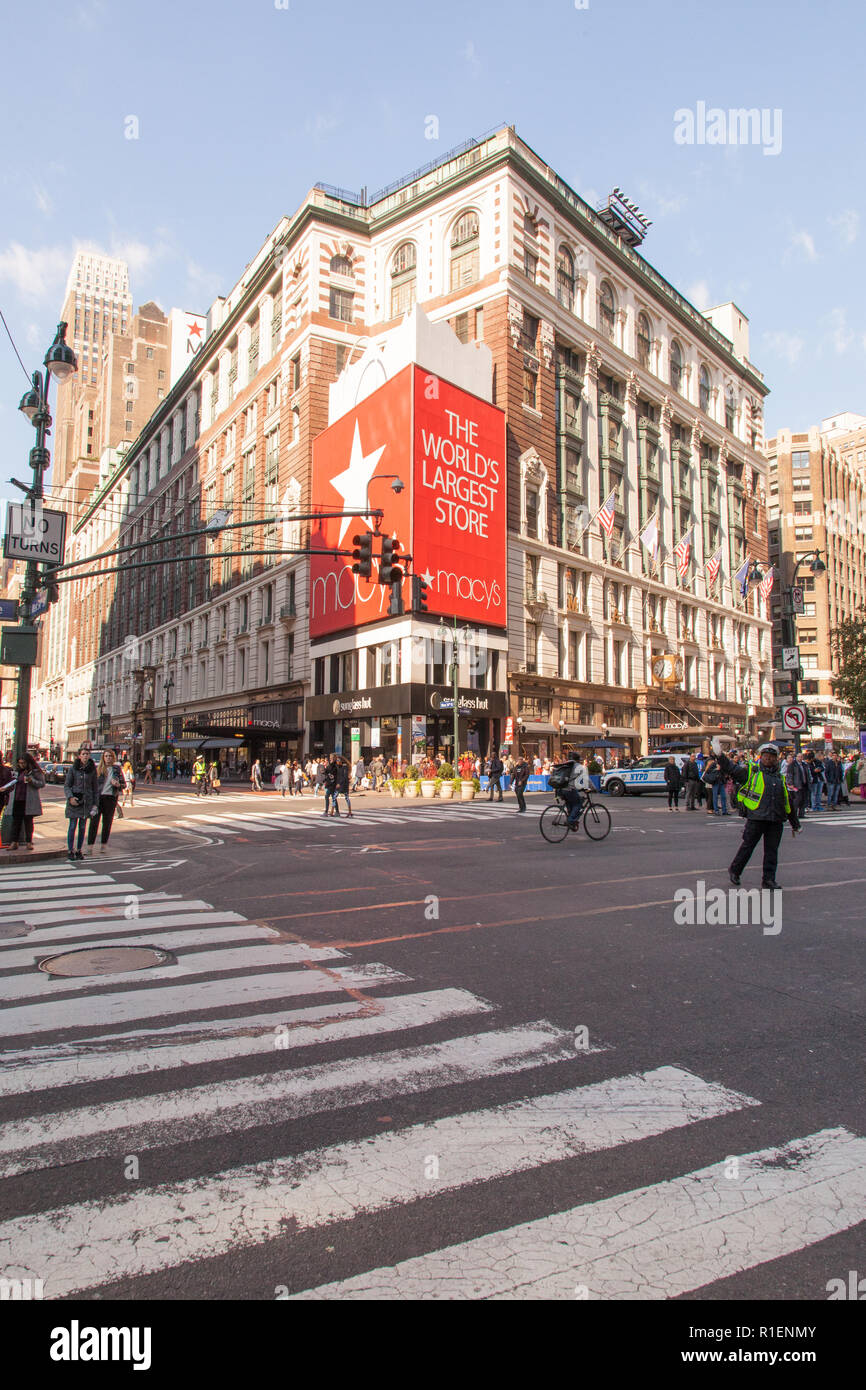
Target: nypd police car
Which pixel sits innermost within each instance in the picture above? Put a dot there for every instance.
(645, 775)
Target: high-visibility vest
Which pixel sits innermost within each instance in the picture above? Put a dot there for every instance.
(752, 790)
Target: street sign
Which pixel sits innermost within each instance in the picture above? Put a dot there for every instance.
(9, 610)
(509, 729)
(798, 599)
(34, 533)
(39, 604)
(794, 718)
(790, 658)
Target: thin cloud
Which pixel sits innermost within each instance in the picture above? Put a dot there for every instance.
(699, 294)
(838, 334)
(803, 242)
(788, 346)
(846, 225)
(37, 275)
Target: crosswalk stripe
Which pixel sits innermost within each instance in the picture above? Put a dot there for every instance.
(195, 1219)
(94, 892)
(129, 1126)
(656, 1242)
(103, 1010)
(223, 962)
(180, 1044)
(212, 825)
(145, 905)
(197, 929)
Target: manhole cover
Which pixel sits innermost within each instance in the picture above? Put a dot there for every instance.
(105, 960)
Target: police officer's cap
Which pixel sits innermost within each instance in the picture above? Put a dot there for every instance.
(769, 748)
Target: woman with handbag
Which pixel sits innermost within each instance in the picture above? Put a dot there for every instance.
(81, 789)
(110, 785)
(24, 800)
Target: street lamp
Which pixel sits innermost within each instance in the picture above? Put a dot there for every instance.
(443, 634)
(59, 361)
(167, 689)
(817, 566)
(100, 706)
(51, 735)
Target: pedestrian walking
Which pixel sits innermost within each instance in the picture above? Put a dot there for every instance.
(816, 767)
(674, 782)
(495, 770)
(129, 785)
(199, 775)
(24, 800)
(109, 787)
(256, 776)
(692, 779)
(148, 771)
(796, 780)
(833, 780)
(712, 780)
(341, 786)
(81, 789)
(763, 794)
(321, 768)
(283, 774)
(519, 779)
(214, 780)
(360, 772)
(329, 782)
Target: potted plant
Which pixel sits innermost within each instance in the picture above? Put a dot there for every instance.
(413, 777)
(396, 785)
(594, 769)
(444, 781)
(468, 787)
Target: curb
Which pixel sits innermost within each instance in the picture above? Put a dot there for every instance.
(22, 857)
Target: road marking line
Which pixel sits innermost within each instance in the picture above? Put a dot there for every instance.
(91, 1243)
(657, 1242)
(229, 928)
(191, 1044)
(225, 961)
(191, 996)
(224, 1107)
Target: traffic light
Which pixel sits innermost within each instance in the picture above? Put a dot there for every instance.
(390, 571)
(419, 595)
(363, 554)
(48, 582)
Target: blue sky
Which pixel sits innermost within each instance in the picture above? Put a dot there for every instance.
(241, 106)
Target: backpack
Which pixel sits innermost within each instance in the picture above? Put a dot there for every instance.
(559, 776)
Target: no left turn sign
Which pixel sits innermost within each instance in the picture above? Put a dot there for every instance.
(794, 718)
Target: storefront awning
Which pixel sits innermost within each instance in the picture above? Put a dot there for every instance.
(175, 743)
(224, 741)
(534, 726)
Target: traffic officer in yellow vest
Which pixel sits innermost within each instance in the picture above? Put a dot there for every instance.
(763, 795)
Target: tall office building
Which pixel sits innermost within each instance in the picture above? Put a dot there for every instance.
(817, 501)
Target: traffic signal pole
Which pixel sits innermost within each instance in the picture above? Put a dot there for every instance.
(39, 461)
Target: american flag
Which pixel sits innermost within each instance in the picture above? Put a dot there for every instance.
(766, 585)
(606, 516)
(713, 566)
(683, 553)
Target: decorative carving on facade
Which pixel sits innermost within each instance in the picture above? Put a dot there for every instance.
(515, 320)
(631, 388)
(547, 342)
(593, 362)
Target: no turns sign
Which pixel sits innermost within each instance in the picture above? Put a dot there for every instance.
(794, 718)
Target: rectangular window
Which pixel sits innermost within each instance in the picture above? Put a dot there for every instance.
(340, 305)
(530, 388)
(532, 512)
(800, 459)
(290, 656)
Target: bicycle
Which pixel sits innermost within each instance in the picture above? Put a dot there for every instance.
(553, 822)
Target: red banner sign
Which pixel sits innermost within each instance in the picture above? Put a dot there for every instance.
(448, 449)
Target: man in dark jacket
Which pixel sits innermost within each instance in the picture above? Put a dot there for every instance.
(329, 781)
(674, 781)
(833, 780)
(692, 778)
(763, 794)
(519, 779)
(495, 770)
(797, 779)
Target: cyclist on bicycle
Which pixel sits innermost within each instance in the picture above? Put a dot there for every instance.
(578, 782)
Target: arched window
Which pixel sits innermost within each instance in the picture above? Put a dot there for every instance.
(644, 340)
(704, 389)
(676, 364)
(730, 409)
(606, 310)
(565, 277)
(341, 265)
(465, 264)
(403, 267)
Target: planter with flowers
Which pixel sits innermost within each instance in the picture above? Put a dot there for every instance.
(445, 781)
(396, 785)
(468, 787)
(412, 778)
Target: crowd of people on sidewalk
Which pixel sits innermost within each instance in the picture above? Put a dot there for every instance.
(816, 782)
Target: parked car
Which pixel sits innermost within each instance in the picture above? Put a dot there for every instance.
(644, 775)
(58, 776)
(46, 769)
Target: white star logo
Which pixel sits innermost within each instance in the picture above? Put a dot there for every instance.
(427, 577)
(353, 482)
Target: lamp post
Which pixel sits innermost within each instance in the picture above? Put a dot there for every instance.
(817, 566)
(51, 735)
(101, 707)
(444, 634)
(61, 362)
(167, 689)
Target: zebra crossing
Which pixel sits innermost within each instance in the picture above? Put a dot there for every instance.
(258, 822)
(849, 819)
(310, 1032)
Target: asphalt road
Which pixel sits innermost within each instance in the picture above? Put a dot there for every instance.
(447, 1060)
